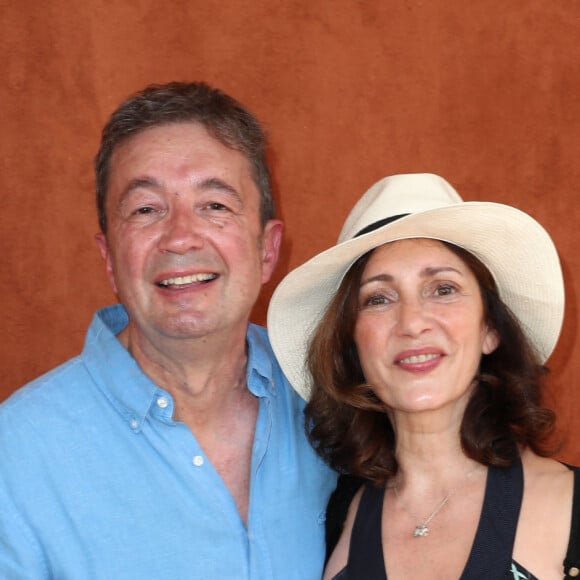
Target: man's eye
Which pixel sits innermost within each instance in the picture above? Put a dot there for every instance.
(217, 206)
(144, 210)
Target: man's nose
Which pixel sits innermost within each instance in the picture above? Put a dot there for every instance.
(183, 230)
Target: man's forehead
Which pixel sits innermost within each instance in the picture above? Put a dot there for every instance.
(176, 135)
(145, 134)
(152, 158)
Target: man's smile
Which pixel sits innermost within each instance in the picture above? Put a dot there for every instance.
(178, 281)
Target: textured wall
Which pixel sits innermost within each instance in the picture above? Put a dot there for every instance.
(485, 93)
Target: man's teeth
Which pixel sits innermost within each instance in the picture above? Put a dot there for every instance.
(181, 280)
(419, 358)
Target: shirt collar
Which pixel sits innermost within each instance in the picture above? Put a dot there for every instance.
(132, 392)
(261, 367)
(116, 372)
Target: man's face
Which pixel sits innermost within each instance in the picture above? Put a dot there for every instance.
(185, 250)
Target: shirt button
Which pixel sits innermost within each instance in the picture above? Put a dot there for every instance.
(574, 572)
(162, 402)
(134, 423)
(198, 460)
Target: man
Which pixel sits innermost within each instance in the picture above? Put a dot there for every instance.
(172, 447)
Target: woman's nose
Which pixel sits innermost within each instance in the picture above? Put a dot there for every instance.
(412, 317)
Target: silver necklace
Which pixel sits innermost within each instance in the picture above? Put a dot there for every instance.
(422, 529)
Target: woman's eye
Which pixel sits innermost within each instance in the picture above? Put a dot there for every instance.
(378, 300)
(375, 300)
(445, 290)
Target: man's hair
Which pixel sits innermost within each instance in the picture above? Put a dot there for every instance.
(348, 424)
(222, 116)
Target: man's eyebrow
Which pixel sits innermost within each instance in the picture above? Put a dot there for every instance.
(148, 182)
(220, 185)
(138, 183)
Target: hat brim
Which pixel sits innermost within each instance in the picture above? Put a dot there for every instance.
(511, 244)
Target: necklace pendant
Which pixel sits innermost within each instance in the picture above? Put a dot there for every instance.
(421, 531)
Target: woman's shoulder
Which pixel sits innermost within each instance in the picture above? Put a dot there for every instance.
(548, 488)
(545, 472)
(548, 497)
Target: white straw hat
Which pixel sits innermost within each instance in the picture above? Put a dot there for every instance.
(515, 248)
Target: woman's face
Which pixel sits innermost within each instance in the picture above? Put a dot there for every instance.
(420, 330)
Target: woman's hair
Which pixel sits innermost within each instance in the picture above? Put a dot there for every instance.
(349, 427)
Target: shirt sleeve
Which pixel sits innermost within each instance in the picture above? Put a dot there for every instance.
(20, 554)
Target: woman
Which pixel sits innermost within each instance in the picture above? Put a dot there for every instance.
(419, 341)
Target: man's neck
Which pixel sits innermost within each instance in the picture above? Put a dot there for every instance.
(200, 370)
(207, 380)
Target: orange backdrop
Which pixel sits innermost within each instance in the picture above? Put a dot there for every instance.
(485, 93)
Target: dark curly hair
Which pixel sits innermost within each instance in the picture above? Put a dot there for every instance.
(348, 424)
(196, 102)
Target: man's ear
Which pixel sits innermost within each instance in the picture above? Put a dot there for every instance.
(271, 243)
(101, 240)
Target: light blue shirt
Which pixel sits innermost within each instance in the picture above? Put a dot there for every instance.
(97, 481)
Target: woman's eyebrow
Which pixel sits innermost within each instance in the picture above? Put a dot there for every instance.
(425, 273)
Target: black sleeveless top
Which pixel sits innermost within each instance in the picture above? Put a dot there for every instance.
(491, 553)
